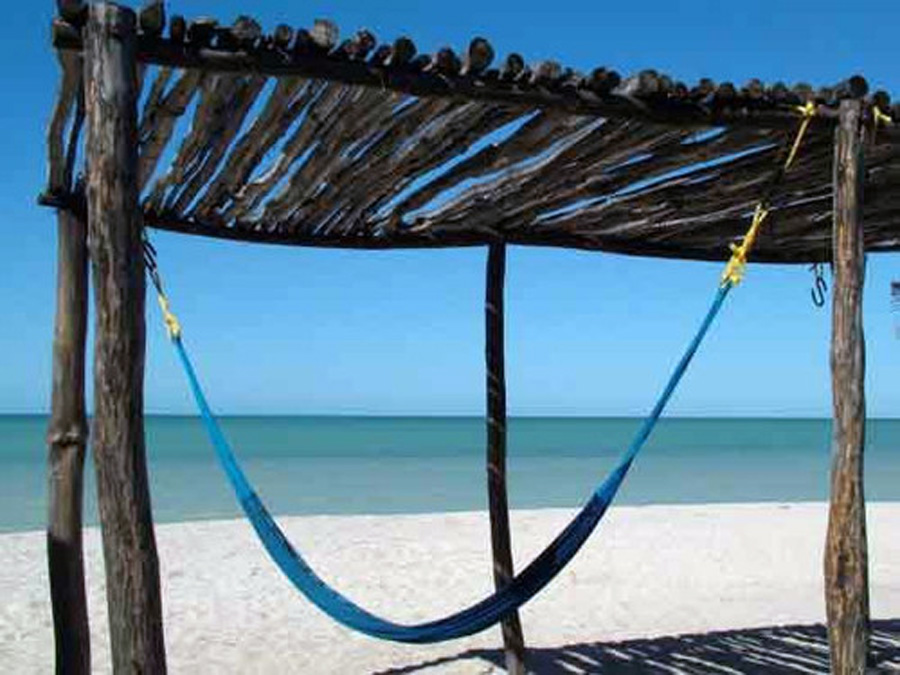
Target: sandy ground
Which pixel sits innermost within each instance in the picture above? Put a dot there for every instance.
(648, 571)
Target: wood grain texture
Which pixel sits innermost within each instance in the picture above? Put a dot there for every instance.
(539, 131)
(363, 110)
(66, 101)
(217, 94)
(224, 130)
(66, 439)
(319, 114)
(345, 191)
(116, 253)
(846, 556)
(160, 115)
(435, 140)
(436, 145)
(498, 503)
(287, 101)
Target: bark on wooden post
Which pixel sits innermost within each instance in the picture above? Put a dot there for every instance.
(66, 438)
(846, 558)
(67, 429)
(513, 641)
(114, 223)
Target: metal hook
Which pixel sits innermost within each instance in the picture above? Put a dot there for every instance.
(820, 287)
(818, 293)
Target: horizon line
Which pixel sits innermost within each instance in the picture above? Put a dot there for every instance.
(574, 416)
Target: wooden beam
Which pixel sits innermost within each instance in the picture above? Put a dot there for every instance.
(585, 99)
(114, 226)
(513, 641)
(66, 440)
(846, 557)
(786, 251)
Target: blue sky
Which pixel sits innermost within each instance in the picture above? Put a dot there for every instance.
(282, 330)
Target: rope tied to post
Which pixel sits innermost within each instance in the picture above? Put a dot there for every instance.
(173, 326)
(881, 118)
(808, 111)
(737, 264)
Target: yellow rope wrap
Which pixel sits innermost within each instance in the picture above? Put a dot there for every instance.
(808, 111)
(882, 118)
(734, 270)
(172, 325)
(737, 264)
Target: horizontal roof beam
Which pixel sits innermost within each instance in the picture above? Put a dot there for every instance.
(405, 78)
(464, 238)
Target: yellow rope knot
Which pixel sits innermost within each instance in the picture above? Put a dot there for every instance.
(808, 111)
(881, 117)
(172, 325)
(737, 264)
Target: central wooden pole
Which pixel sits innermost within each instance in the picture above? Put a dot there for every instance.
(513, 641)
(846, 557)
(114, 227)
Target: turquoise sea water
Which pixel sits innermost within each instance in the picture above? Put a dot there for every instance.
(304, 465)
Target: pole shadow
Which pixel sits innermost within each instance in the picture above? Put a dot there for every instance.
(774, 649)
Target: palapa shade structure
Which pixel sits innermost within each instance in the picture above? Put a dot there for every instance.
(299, 137)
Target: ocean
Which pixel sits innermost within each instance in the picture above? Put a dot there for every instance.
(343, 465)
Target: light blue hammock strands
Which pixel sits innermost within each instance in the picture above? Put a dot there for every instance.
(482, 614)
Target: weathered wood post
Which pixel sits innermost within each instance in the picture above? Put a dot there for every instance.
(66, 438)
(67, 428)
(114, 225)
(846, 558)
(513, 641)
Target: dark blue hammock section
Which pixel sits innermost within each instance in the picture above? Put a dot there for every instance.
(483, 614)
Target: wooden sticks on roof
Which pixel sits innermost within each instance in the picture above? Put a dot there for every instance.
(361, 144)
(317, 52)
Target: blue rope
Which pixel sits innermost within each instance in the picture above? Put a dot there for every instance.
(482, 614)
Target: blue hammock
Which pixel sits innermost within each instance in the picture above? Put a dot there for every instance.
(481, 615)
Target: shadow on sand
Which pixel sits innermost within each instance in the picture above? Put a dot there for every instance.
(778, 649)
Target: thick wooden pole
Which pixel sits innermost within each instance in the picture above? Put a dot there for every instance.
(846, 558)
(513, 641)
(114, 225)
(66, 439)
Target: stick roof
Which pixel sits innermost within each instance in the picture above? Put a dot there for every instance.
(296, 137)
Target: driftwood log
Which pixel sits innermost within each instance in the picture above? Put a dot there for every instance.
(846, 556)
(116, 252)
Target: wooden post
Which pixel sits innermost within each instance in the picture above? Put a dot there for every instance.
(846, 558)
(513, 641)
(114, 225)
(66, 438)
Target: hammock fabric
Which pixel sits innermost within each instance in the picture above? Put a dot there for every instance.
(481, 615)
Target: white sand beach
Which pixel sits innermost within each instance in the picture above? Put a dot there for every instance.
(648, 571)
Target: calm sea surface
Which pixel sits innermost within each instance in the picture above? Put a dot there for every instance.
(304, 465)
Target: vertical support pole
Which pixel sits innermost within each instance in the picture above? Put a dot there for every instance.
(513, 641)
(66, 440)
(846, 558)
(114, 225)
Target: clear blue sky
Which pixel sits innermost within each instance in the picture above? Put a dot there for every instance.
(286, 330)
